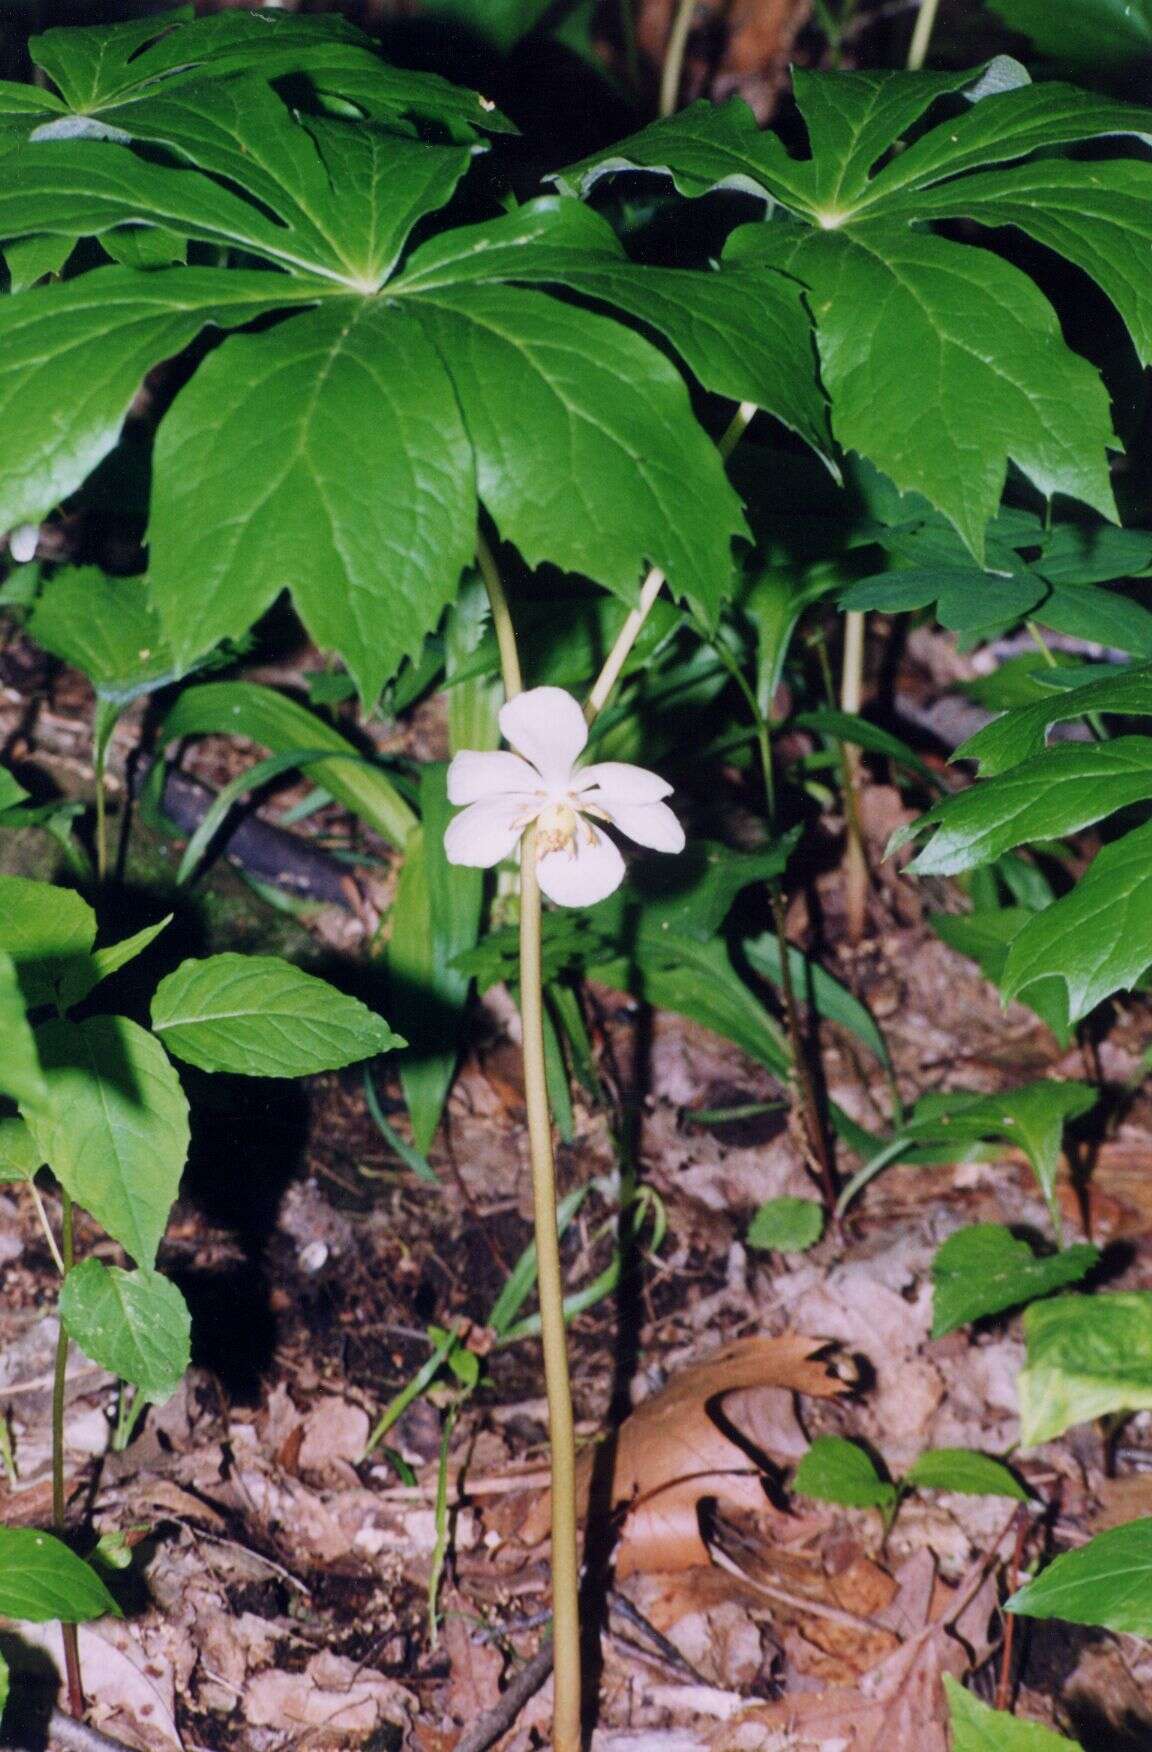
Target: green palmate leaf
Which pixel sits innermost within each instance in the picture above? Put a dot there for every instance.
(915, 296)
(1055, 793)
(20, 1073)
(258, 1016)
(1104, 617)
(144, 246)
(40, 1579)
(743, 332)
(19, 1157)
(1099, 221)
(435, 918)
(107, 71)
(48, 932)
(325, 198)
(105, 330)
(836, 1471)
(1088, 1356)
(371, 557)
(1106, 1582)
(977, 1728)
(707, 146)
(947, 427)
(983, 1270)
(959, 1469)
(974, 604)
(33, 258)
(1090, 34)
(245, 708)
(106, 627)
(114, 1127)
(786, 1225)
(1021, 733)
(1090, 553)
(1094, 941)
(134, 1323)
(652, 488)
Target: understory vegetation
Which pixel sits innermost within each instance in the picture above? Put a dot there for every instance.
(576, 875)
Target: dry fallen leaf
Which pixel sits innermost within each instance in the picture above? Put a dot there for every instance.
(708, 1434)
(338, 1700)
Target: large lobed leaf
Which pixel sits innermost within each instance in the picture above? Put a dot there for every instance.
(453, 387)
(943, 363)
(105, 74)
(1055, 793)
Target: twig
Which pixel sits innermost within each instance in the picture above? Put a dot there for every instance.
(496, 1721)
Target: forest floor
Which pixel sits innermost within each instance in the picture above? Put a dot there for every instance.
(279, 1594)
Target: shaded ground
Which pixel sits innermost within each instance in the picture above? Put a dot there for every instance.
(279, 1593)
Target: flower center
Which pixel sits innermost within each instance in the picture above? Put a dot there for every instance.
(558, 828)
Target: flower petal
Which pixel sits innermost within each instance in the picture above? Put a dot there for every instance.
(582, 875)
(485, 832)
(649, 824)
(547, 727)
(473, 775)
(616, 780)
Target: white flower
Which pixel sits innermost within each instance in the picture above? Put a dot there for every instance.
(577, 863)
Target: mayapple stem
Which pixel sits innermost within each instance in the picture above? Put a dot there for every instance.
(565, 1557)
(566, 1707)
(672, 70)
(922, 34)
(501, 617)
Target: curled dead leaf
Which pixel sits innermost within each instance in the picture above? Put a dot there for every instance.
(714, 1432)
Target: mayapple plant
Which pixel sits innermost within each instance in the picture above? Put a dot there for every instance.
(330, 245)
(99, 1102)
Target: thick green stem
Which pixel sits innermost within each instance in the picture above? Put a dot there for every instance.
(922, 35)
(672, 71)
(501, 617)
(565, 1559)
(59, 1520)
(566, 1735)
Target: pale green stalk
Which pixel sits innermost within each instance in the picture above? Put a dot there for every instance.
(566, 1735)
(501, 617)
(565, 1557)
(672, 71)
(922, 35)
